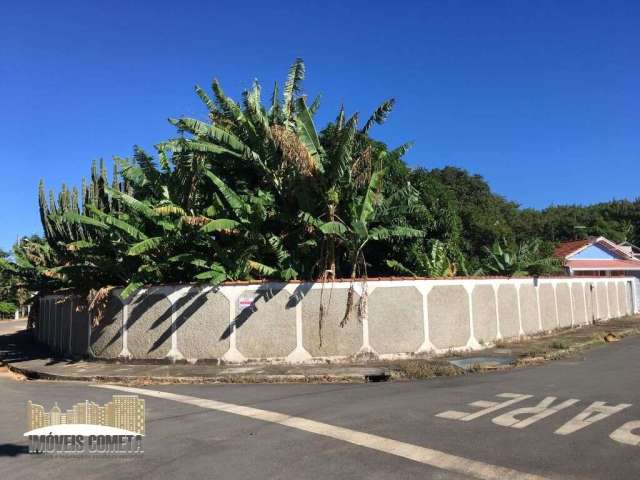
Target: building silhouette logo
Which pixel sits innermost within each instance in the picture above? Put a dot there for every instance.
(115, 427)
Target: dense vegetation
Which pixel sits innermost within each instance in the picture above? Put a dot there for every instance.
(259, 192)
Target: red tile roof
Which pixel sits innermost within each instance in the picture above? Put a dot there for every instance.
(567, 248)
(603, 264)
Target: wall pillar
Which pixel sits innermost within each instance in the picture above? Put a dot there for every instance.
(520, 329)
(50, 326)
(555, 301)
(39, 320)
(472, 343)
(125, 353)
(70, 324)
(635, 295)
(586, 310)
(173, 296)
(89, 328)
(366, 345)
(537, 288)
(573, 316)
(426, 345)
(232, 293)
(495, 299)
(300, 354)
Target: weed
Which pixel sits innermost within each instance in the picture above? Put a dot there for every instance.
(560, 344)
(428, 369)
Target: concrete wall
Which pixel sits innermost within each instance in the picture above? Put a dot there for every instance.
(300, 322)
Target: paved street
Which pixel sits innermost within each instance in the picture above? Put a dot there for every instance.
(422, 429)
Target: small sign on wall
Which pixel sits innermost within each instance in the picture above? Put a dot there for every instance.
(246, 301)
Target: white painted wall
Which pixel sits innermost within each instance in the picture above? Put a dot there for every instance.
(570, 299)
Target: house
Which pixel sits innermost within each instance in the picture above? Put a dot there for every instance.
(631, 249)
(598, 256)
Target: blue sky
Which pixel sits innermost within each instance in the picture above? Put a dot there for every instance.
(539, 97)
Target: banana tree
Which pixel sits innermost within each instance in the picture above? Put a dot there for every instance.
(359, 227)
(435, 262)
(526, 258)
(223, 199)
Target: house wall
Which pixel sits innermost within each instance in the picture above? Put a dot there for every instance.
(283, 322)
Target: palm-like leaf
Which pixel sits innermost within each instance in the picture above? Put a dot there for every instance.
(145, 246)
(292, 86)
(379, 115)
(220, 225)
(307, 133)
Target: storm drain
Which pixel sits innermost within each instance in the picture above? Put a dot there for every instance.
(377, 376)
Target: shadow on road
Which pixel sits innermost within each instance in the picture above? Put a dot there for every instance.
(13, 450)
(19, 346)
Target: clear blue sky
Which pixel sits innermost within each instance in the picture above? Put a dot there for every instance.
(540, 97)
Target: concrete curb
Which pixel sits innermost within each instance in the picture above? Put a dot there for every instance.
(372, 375)
(22, 357)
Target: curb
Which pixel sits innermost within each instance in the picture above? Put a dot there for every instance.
(365, 375)
(380, 376)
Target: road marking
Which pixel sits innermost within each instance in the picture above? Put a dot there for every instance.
(540, 411)
(427, 456)
(624, 435)
(595, 412)
(487, 407)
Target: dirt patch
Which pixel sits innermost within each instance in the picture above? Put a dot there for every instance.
(528, 351)
(569, 342)
(6, 373)
(423, 368)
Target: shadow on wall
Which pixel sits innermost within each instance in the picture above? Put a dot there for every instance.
(263, 293)
(109, 333)
(298, 295)
(395, 322)
(191, 304)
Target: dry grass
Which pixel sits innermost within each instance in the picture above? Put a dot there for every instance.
(529, 351)
(560, 344)
(97, 301)
(294, 153)
(427, 369)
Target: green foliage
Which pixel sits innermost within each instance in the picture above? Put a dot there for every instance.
(526, 258)
(27, 270)
(7, 308)
(436, 261)
(484, 216)
(259, 192)
(252, 193)
(618, 220)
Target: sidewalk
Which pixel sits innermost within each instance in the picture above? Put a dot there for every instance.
(24, 357)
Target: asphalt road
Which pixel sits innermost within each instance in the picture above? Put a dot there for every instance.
(373, 431)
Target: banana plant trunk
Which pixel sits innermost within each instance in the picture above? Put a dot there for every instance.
(349, 308)
(332, 245)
